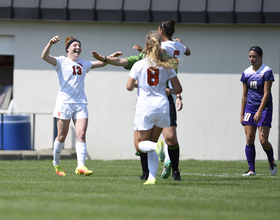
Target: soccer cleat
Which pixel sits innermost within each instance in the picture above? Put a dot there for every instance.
(159, 150)
(273, 168)
(176, 176)
(144, 176)
(166, 170)
(83, 170)
(59, 171)
(150, 182)
(249, 173)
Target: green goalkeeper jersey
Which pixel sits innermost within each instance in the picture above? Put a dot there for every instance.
(134, 59)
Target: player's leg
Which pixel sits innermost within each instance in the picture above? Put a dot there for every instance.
(150, 146)
(80, 120)
(170, 137)
(267, 147)
(250, 151)
(144, 146)
(81, 147)
(144, 165)
(62, 130)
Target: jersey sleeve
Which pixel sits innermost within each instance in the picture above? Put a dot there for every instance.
(172, 73)
(88, 65)
(268, 75)
(58, 62)
(133, 72)
(243, 78)
(163, 46)
(133, 59)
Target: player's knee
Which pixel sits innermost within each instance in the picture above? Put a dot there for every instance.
(60, 138)
(250, 140)
(171, 141)
(81, 136)
(264, 142)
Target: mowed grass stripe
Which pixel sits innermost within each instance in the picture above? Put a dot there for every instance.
(209, 190)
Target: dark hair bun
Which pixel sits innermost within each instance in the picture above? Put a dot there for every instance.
(172, 21)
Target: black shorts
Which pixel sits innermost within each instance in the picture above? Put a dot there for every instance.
(172, 112)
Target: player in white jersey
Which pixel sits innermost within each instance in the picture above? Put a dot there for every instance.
(152, 107)
(176, 49)
(71, 102)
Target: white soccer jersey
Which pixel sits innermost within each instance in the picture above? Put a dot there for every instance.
(151, 87)
(71, 76)
(174, 49)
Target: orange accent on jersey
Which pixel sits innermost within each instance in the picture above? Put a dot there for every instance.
(58, 114)
(153, 76)
(79, 70)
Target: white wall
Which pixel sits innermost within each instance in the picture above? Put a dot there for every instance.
(208, 126)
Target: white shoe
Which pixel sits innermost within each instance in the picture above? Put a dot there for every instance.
(249, 173)
(273, 168)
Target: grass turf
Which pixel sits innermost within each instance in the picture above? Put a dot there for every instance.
(208, 190)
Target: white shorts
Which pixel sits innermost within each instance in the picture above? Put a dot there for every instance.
(71, 110)
(147, 122)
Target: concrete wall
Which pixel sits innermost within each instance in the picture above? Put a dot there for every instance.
(208, 126)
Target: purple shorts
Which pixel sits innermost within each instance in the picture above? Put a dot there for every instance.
(266, 119)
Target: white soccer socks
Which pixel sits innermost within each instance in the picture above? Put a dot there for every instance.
(81, 151)
(57, 148)
(147, 146)
(150, 148)
(152, 164)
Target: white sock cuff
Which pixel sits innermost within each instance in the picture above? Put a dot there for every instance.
(81, 145)
(58, 145)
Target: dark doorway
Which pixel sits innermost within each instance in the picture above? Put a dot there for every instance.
(6, 80)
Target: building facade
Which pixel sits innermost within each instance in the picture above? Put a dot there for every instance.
(219, 38)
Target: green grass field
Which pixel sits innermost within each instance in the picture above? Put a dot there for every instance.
(208, 190)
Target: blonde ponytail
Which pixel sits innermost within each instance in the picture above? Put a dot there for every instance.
(154, 53)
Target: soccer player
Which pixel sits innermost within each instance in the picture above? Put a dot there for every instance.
(152, 107)
(71, 101)
(127, 63)
(176, 49)
(256, 108)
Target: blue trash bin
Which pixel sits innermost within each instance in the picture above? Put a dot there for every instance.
(16, 132)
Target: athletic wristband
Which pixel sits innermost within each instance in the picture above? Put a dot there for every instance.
(105, 59)
(179, 97)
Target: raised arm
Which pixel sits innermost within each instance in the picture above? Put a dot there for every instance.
(103, 61)
(188, 52)
(137, 47)
(111, 59)
(46, 52)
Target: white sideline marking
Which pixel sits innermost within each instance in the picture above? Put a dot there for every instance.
(227, 175)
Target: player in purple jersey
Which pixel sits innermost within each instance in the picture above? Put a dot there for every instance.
(256, 108)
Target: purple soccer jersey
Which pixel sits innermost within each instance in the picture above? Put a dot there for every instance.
(255, 82)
